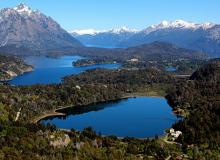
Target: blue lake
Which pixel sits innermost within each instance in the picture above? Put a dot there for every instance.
(139, 117)
(134, 117)
(102, 46)
(49, 70)
(171, 69)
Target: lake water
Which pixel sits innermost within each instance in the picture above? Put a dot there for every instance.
(139, 117)
(171, 69)
(49, 70)
(102, 46)
(134, 117)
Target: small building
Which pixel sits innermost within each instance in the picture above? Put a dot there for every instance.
(78, 87)
(133, 60)
(172, 130)
(174, 134)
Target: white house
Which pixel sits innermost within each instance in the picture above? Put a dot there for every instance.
(133, 60)
(175, 134)
(78, 87)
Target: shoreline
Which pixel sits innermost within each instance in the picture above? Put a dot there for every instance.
(56, 112)
(17, 75)
(118, 137)
(46, 115)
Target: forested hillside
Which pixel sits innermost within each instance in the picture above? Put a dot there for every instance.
(199, 98)
(11, 67)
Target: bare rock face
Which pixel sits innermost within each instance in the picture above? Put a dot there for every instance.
(26, 28)
(60, 141)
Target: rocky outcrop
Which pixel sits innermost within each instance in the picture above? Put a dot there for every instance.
(61, 141)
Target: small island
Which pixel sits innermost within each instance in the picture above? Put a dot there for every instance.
(89, 62)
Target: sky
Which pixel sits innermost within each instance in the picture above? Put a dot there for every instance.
(106, 14)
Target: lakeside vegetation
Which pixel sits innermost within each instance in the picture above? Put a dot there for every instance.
(182, 66)
(11, 67)
(89, 87)
(159, 55)
(199, 96)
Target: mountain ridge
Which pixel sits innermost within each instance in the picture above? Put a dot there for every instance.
(106, 38)
(163, 24)
(94, 31)
(204, 37)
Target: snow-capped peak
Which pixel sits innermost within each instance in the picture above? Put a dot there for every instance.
(164, 23)
(23, 9)
(85, 31)
(207, 25)
(122, 30)
(93, 31)
(174, 24)
(180, 24)
(183, 24)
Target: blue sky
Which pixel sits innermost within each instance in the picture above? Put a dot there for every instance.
(105, 14)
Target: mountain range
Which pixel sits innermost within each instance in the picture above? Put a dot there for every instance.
(103, 38)
(25, 30)
(204, 37)
(22, 27)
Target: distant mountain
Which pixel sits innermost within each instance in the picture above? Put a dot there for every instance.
(156, 51)
(202, 37)
(21, 27)
(104, 38)
(162, 50)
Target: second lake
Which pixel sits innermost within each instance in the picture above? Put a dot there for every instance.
(49, 70)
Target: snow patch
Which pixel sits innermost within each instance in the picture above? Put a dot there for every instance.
(23, 8)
